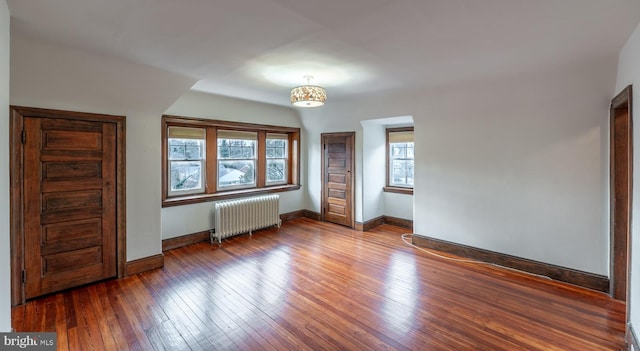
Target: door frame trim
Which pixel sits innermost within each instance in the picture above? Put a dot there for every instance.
(16, 169)
(619, 276)
(323, 203)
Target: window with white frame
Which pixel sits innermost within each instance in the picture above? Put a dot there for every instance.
(276, 156)
(186, 156)
(236, 159)
(400, 157)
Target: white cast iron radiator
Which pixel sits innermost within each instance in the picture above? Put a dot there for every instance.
(245, 215)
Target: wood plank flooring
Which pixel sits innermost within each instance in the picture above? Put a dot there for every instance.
(317, 286)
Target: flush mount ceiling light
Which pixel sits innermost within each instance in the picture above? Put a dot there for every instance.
(308, 95)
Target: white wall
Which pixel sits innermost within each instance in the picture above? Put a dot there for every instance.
(373, 164)
(5, 254)
(512, 164)
(189, 219)
(398, 205)
(629, 73)
(50, 76)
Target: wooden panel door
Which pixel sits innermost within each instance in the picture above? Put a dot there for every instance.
(337, 178)
(69, 203)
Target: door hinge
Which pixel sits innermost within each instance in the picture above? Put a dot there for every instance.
(24, 277)
(24, 136)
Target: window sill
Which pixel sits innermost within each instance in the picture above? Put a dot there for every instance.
(398, 190)
(194, 199)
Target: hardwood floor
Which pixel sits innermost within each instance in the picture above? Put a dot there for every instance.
(318, 286)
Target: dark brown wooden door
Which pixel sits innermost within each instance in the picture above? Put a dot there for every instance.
(69, 203)
(337, 178)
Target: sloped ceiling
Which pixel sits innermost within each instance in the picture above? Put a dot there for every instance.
(260, 49)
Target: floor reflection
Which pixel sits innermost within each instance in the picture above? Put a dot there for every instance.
(401, 289)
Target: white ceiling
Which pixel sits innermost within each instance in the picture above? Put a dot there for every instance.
(259, 49)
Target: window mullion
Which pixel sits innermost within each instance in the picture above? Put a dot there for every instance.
(291, 154)
(211, 158)
(261, 171)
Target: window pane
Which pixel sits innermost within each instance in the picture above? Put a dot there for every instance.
(398, 150)
(176, 150)
(276, 171)
(236, 152)
(186, 149)
(402, 172)
(236, 149)
(224, 151)
(194, 149)
(276, 148)
(247, 152)
(186, 176)
(276, 143)
(276, 152)
(237, 173)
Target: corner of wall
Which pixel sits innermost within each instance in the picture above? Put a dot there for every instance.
(5, 254)
(631, 338)
(629, 73)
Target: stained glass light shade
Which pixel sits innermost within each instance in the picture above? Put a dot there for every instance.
(308, 96)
